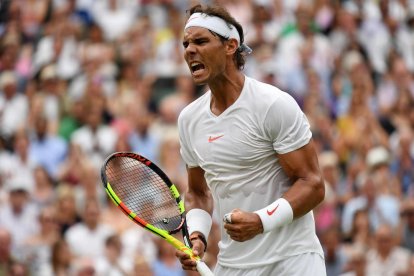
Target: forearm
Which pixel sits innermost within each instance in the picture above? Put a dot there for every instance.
(305, 194)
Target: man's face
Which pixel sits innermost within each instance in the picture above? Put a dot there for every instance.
(204, 53)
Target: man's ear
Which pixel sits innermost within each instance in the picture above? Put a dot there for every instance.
(231, 46)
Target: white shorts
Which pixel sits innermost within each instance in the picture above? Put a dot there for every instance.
(309, 264)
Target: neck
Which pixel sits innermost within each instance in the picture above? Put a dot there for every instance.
(225, 90)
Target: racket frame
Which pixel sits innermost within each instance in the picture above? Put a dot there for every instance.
(184, 247)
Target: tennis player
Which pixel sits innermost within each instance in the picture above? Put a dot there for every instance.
(249, 152)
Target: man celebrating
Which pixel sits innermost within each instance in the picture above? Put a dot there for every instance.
(249, 154)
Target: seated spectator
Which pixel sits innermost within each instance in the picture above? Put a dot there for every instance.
(113, 263)
(382, 208)
(335, 257)
(360, 237)
(70, 171)
(141, 267)
(138, 242)
(114, 17)
(378, 161)
(387, 258)
(66, 207)
(356, 265)
(38, 247)
(61, 259)
(87, 238)
(90, 186)
(96, 139)
(14, 106)
(49, 150)
(18, 163)
(44, 193)
(166, 263)
(19, 216)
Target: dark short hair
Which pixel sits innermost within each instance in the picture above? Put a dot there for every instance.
(219, 11)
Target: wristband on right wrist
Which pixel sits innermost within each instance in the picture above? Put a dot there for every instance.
(199, 220)
(275, 215)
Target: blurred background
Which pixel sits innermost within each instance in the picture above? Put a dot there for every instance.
(80, 79)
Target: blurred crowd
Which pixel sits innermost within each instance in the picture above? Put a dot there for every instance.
(80, 79)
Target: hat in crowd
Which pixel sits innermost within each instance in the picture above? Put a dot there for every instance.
(48, 73)
(18, 183)
(328, 159)
(377, 156)
(6, 78)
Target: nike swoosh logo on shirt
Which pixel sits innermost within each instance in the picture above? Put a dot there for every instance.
(272, 211)
(212, 138)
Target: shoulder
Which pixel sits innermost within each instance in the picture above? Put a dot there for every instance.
(194, 108)
(267, 94)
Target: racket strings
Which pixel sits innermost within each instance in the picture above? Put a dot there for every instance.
(144, 192)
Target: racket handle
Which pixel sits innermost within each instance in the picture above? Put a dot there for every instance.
(203, 269)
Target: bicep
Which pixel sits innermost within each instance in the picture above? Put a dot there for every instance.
(308, 188)
(196, 181)
(300, 163)
(198, 194)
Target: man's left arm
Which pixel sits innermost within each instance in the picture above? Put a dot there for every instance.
(306, 193)
(308, 189)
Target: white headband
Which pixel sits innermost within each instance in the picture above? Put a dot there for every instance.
(217, 25)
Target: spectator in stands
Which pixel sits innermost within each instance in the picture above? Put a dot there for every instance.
(89, 187)
(38, 247)
(48, 149)
(113, 262)
(166, 263)
(335, 255)
(19, 162)
(115, 17)
(141, 267)
(382, 208)
(13, 105)
(44, 193)
(96, 139)
(61, 259)
(378, 162)
(19, 216)
(139, 243)
(356, 265)
(387, 258)
(87, 238)
(66, 207)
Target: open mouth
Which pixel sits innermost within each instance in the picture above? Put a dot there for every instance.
(196, 67)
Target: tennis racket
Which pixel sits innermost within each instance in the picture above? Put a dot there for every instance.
(145, 194)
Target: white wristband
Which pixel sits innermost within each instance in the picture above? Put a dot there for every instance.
(275, 215)
(199, 220)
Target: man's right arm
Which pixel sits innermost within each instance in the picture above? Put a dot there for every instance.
(198, 194)
(197, 199)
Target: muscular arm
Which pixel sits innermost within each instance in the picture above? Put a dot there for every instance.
(198, 194)
(308, 189)
(306, 193)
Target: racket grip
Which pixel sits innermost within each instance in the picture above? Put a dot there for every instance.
(203, 269)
